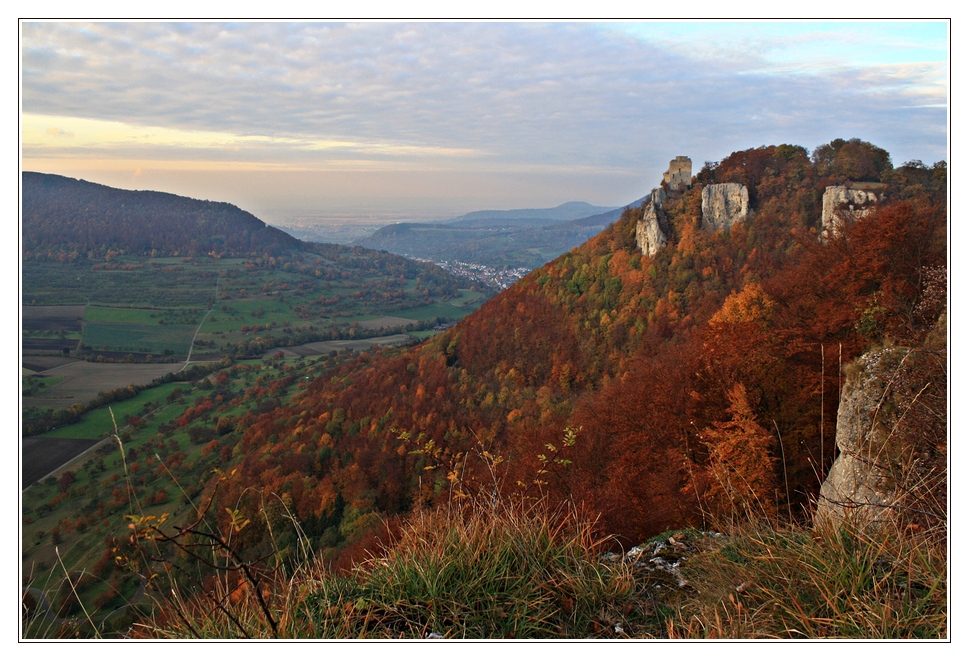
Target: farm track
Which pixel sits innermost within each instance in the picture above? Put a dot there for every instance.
(191, 346)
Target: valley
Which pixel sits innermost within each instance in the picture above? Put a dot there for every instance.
(510, 242)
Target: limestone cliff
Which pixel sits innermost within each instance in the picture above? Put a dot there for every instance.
(724, 205)
(841, 203)
(859, 484)
(652, 231)
(891, 436)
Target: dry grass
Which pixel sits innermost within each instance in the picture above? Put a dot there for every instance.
(483, 571)
(765, 582)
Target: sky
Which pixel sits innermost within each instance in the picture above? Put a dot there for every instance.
(438, 119)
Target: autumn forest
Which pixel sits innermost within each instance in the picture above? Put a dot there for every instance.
(650, 394)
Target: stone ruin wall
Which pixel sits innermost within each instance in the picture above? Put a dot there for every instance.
(842, 204)
(679, 172)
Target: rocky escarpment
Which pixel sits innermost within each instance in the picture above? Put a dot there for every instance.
(891, 437)
(724, 205)
(844, 203)
(859, 485)
(652, 232)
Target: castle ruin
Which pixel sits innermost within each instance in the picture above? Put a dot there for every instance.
(843, 204)
(680, 172)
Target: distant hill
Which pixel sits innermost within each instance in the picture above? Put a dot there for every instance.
(534, 217)
(73, 215)
(499, 239)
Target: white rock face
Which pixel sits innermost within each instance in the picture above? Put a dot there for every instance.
(841, 204)
(859, 486)
(652, 231)
(724, 205)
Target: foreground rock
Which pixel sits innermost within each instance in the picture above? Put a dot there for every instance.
(891, 439)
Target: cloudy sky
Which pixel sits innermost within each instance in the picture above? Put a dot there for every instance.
(442, 118)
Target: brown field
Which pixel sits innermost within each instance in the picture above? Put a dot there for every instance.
(386, 322)
(52, 317)
(41, 456)
(47, 345)
(43, 363)
(83, 381)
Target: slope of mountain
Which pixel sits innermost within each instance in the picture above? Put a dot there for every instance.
(64, 214)
(654, 392)
(650, 390)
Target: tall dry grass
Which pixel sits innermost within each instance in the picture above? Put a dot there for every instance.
(830, 582)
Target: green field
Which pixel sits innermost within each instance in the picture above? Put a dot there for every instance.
(454, 309)
(138, 338)
(466, 297)
(97, 423)
(156, 316)
(33, 384)
(153, 306)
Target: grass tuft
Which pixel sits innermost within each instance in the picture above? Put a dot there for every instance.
(494, 570)
(487, 571)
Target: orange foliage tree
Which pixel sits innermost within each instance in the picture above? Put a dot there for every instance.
(740, 468)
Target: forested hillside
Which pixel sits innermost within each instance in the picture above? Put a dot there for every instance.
(637, 387)
(66, 218)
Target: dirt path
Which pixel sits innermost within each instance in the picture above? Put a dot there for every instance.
(197, 330)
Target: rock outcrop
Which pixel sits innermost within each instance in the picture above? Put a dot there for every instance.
(859, 485)
(652, 231)
(891, 435)
(724, 205)
(845, 203)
